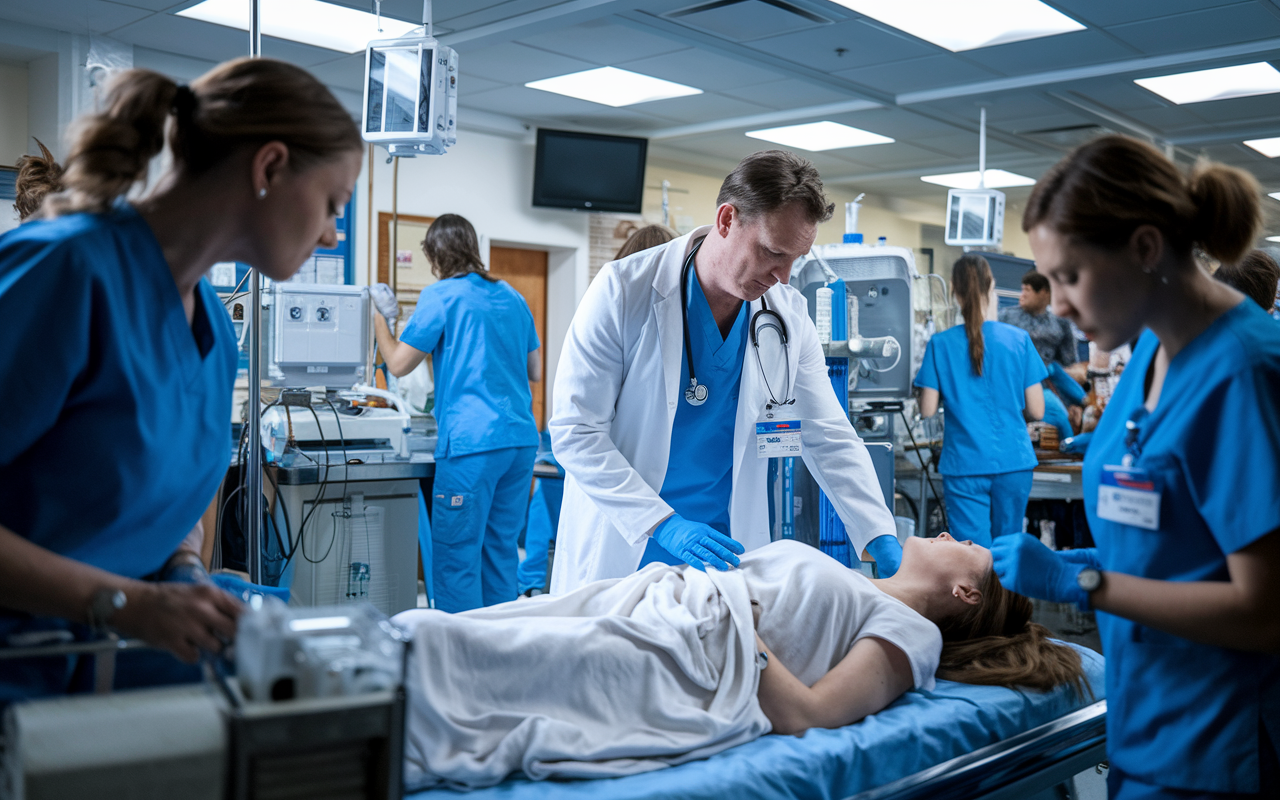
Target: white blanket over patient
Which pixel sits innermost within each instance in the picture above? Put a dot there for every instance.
(615, 678)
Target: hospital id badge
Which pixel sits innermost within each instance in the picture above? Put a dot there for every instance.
(778, 438)
(1128, 495)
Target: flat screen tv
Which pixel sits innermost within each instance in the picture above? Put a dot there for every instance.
(589, 171)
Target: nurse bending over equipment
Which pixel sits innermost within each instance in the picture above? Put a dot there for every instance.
(137, 376)
(485, 350)
(658, 403)
(987, 374)
(673, 664)
(1180, 478)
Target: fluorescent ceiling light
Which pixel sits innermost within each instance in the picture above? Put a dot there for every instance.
(1273, 238)
(996, 179)
(967, 26)
(614, 87)
(1244, 80)
(817, 136)
(1274, 195)
(307, 21)
(1268, 147)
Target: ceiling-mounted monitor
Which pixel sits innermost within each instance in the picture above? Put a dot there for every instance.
(589, 171)
(410, 96)
(975, 217)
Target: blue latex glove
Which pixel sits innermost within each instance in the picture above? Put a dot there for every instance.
(1076, 444)
(1066, 385)
(1055, 413)
(1024, 565)
(888, 554)
(1084, 556)
(697, 544)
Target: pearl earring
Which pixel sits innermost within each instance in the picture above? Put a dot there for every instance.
(262, 193)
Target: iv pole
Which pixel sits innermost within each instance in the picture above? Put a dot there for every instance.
(253, 469)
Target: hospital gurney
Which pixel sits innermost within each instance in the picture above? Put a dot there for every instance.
(956, 741)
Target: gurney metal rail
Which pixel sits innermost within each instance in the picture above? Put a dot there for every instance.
(1011, 769)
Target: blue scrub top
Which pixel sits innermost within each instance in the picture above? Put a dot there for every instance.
(479, 334)
(117, 432)
(1179, 713)
(699, 480)
(985, 433)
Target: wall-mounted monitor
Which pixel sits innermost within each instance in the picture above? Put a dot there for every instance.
(589, 171)
(975, 217)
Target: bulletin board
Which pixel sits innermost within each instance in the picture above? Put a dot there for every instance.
(412, 270)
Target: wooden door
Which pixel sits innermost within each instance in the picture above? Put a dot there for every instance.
(526, 271)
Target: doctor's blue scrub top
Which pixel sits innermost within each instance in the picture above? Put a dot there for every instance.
(985, 431)
(479, 334)
(699, 480)
(117, 429)
(1182, 714)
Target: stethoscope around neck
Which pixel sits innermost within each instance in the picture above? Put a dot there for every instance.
(695, 394)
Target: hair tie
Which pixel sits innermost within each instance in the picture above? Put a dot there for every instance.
(184, 102)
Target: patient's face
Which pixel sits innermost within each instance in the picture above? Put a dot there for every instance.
(946, 560)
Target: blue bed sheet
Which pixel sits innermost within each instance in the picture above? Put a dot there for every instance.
(918, 731)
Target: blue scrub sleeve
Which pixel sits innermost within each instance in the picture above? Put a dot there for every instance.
(1033, 370)
(1233, 458)
(426, 326)
(47, 311)
(1066, 385)
(927, 377)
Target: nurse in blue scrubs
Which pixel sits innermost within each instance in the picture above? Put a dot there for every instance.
(484, 352)
(1181, 478)
(987, 374)
(118, 358)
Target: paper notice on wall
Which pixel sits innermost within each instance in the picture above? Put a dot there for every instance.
(404, 258)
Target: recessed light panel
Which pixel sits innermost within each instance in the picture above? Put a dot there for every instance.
(996, 179)
(614, 87)
(1268, 147)
(1273, 238)
(968, 25)
(1223, 83)
(307, 21)
(818, 136)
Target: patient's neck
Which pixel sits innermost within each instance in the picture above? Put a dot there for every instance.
(919, 595)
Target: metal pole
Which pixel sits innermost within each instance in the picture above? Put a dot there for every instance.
(253, 469)
(982, 149)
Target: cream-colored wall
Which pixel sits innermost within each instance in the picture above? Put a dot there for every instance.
(13, 112)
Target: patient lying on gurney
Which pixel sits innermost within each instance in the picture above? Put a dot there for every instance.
(673, 664)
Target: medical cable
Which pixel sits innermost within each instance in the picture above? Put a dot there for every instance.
(941, 505)
(696, 393)
(786, 352)
(889, 368)
(319, 501)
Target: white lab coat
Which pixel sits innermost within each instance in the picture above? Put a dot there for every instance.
(616, 395)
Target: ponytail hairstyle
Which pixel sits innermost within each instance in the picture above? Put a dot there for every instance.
(1101, 192)
(971, 283)
(995, 643)
(453, 248)
(37, 177)
(241, 104)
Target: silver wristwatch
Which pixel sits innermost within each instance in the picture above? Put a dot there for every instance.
(103, 606)
(1089, 579)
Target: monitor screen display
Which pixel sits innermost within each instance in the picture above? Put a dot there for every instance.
(589, 171)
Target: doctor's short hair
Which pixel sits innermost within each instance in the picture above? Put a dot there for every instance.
(1036, 281)
(453, 248)
(1104, 190)
(766, 181)
(240, 104)
(37, 177)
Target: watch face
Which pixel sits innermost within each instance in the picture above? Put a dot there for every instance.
(1089, 579)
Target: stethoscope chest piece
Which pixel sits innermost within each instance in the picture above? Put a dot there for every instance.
(696, 393)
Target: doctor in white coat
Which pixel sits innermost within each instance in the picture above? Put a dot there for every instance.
(673, 356)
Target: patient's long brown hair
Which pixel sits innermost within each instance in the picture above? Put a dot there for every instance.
(995, 643)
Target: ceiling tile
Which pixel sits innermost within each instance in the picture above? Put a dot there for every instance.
(704, 70)
(863, 44)
(471, 84)
(1074, 49)
(345, 73)
(511, 63)
(602, 42)
(745, 20)
(1166, 120)
(180, 68)
(1107, 12)
(789, 93)
(706, 107)
(1261, 107)
(898, 123)
(158, 5)
(1119, 94)
(189, 37)
(928, 72)
(80, 16)
(1200, 29)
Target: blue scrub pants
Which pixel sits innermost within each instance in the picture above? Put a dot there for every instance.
(980, 505)
(538, 535)
(478, 507)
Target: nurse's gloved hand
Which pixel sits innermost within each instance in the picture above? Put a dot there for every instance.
(888, 554)
(697, 544)
(385, 301)
(1026, 566)
(1084, 556)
